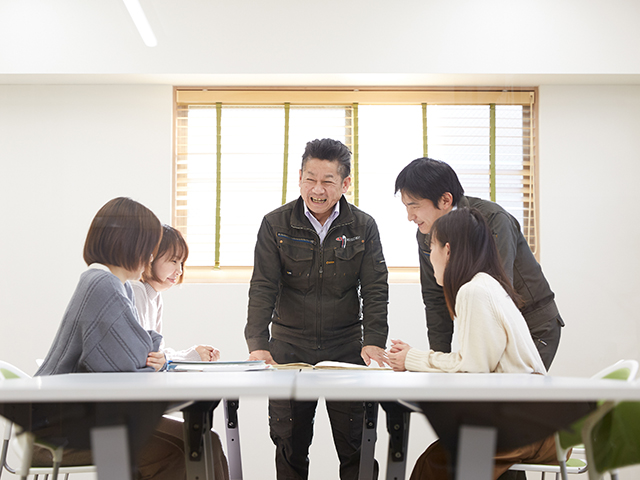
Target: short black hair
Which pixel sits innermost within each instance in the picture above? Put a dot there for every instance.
(331, 150)
(430, 179)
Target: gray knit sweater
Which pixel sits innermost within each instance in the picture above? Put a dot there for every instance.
(100, 331)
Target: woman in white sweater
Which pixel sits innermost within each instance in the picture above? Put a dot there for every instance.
(164, 272)
(492, 333)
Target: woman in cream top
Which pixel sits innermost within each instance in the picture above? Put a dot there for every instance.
(492, 333)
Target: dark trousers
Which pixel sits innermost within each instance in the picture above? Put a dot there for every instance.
(291, 422)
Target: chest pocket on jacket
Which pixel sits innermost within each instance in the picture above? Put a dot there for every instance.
(297, 259)
(349, 261)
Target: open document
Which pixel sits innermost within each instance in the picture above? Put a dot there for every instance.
(328, 365)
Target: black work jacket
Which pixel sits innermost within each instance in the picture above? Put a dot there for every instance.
(518, 261)
(317, 295)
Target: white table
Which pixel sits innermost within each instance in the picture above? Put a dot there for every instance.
(146, 394)
(145, 388)
(476, 445)
(416, 386)
(148, 387)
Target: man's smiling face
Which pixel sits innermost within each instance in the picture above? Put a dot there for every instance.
(321, 187)
(423, 212)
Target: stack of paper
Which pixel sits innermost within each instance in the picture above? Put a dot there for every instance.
(242, 366)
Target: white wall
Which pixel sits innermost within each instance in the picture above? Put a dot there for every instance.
(322, 37)
(68, 149)
(590, 163)
(65, 152)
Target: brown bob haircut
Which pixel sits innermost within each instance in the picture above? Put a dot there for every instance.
(172, 245)
(124, 233)
(473, 250)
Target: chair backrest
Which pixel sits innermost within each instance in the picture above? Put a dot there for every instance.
(8, 371)
(613, 441)
(23, 444)
(621, 370)
(625, 370)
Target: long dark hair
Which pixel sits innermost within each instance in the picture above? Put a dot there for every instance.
(473, 250)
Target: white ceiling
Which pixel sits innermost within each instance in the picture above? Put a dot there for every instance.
(322, 42)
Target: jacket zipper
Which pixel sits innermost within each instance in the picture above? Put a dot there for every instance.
(319, 290)
(302, 240)
(320, 279)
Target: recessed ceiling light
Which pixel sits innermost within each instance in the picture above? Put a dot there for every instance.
(141, 22)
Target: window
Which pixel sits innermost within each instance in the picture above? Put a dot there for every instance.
(238, 154)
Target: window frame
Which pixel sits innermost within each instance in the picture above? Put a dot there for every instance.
(349, 96)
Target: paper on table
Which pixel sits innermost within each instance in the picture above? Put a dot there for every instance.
(328, 365)
(241, 366)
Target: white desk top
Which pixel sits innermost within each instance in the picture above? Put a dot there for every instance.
(308, 385)
(164, 386)
(415, 386)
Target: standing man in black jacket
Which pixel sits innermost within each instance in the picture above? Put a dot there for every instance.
(431, 189)
(320, 283)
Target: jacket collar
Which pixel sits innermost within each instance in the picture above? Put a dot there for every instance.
(463, 202)
(300, 220)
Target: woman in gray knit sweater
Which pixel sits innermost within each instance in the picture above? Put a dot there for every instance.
(100, 332)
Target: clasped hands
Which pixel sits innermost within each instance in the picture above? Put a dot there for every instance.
(397, 354)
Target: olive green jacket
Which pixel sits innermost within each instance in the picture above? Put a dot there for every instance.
(317, 295)
(519, 263)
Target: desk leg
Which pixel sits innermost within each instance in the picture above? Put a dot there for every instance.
(110, 447)
(398, 418)
(233, 439)
(197, 436)
(368, 448)
(476, 449)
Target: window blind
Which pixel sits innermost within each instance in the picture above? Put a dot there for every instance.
(238, 155)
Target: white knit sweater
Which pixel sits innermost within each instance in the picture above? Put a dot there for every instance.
(492, 334)
(149, 306)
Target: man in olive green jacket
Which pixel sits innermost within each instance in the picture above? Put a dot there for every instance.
(318, 292)
(431, 189)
